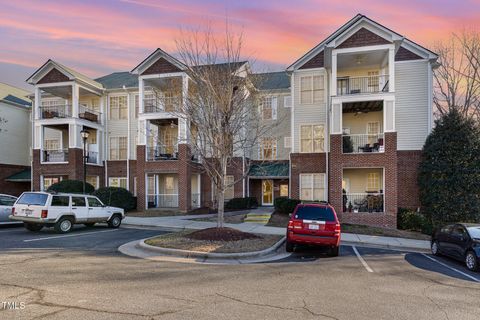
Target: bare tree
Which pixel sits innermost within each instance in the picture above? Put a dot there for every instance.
(220, 106)
(457, 78)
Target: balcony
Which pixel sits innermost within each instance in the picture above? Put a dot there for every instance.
(363, 143)
(89, 114)
(162, 152)
(162, 191)
(162, 104)
(55, 156)
(362, 85)
(363, 202)
(363, 190)
(65, 111)
(162, 200)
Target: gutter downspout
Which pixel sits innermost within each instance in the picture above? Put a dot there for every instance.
(327, 164)
(128, 138)
(105, 137)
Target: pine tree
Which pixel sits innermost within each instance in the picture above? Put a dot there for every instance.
(449, 174)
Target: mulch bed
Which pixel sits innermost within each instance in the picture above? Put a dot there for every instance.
(221, 234)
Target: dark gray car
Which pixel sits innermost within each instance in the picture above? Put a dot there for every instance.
(6, 204)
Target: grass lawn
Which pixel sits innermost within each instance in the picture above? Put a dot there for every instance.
(178, 240)
(281, 220)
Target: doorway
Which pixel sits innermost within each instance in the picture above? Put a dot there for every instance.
(267, 192)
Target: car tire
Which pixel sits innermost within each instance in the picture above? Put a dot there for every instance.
(435, 248)
(471, 261)
(64, 225)
(89, 225)
(334, 251)
(33, 226)
(115, 221)
(289, 246)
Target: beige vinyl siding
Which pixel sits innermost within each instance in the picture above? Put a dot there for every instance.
(308, 113)
(358, 179)
(358, 123)
(411, 104)
(15, 135)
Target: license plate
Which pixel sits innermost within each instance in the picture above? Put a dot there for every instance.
(27, 212)
(313, 226)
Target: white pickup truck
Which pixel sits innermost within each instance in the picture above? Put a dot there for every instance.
(61, 211)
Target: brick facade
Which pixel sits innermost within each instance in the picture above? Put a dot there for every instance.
(408, 192)
(363, 37)
(304, 163)
(255, 188)
(12, 188)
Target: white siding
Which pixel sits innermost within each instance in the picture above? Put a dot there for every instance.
(15, 135)
(308, 113)
(411, 104)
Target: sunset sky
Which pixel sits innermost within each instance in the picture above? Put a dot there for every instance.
(97, 37)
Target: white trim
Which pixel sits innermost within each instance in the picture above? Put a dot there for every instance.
(325, 184)
(363, 49)
(300, 136)
(162, 75)
(55, 84)
(430, 98)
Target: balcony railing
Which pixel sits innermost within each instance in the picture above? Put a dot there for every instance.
(195, 200)
(55, 155)
(363, 202)
(57, 111)
(92, 157)
(363, 143)
(162, 152)
(162, 200)
(359, 85)
(166, 104)
(89, 114)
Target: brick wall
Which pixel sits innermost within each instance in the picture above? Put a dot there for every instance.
(256, 191)
(387, 160)
(304, 163)
(408, 192)
(12, 188)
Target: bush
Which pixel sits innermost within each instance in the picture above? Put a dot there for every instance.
(241, 203)
(285, 205)
(116, 197)
(71, 186)
(414, 221)
(347, 144)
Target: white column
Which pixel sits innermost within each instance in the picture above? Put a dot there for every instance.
(129, 136)
(141, 95)
(184, 102)
(102, 110)
(75, 99)
(391, 70)
(333, 83)
(38, 102)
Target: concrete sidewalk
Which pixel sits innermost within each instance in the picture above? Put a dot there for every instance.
(187, 222)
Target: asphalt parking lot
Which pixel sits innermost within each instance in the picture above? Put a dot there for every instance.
(81, 275)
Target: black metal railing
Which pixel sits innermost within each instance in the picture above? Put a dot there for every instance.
(363, 143)
(56, 111)
(162, 152)
(363, 202)
(359, 85)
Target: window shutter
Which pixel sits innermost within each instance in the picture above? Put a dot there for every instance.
(274, 108)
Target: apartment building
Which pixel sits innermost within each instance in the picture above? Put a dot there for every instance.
(15, 140)
(348, 121)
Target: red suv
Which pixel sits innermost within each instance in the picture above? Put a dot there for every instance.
(314, 224)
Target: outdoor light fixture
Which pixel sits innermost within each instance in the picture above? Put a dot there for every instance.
(84, 133)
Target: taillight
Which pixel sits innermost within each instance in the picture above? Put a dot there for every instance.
(294, 224)
(290, 224)
(337, 228)
(13, 211)
(44, 213)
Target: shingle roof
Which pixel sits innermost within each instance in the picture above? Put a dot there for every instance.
(118, 80)
(17, 100)
(271, 80)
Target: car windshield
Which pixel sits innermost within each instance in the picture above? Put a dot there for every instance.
(315, 213)
(35, 199)
(474, 232)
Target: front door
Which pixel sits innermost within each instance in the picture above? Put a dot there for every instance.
(267, 192)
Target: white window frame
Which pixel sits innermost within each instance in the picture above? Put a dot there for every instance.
(272, 142)
(117, 182)
(376, 123)
(373, 182)
(312, 139)
(115, 109)
(269, 102)
(322, 177)
(96, 185)
(49, 178)
(48, 142)
(312, 89)
(114, 143)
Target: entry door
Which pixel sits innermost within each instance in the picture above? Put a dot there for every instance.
(267, 192)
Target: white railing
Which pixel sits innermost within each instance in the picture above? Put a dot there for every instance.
(55, 155)
(162, 200)
(162, 152)
(195, 200)
(56, 111)
(363, 202)
(363, 143)
(359, 85)
(167, 104)
(86, 113)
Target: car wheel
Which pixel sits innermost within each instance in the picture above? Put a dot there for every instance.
(435, 249)
(33, 226)
(64, 225)
(90, 224)
(471, 261)
(334, 251)
(289, 247)
(115, 221)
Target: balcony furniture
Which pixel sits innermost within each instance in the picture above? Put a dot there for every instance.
(366, 148)
(88, 116)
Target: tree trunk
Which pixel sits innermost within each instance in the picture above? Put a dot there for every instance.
(221, 208)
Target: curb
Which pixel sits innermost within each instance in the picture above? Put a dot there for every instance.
(209, 255)
(383, 246)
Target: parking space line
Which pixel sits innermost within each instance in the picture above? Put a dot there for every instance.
(364, 263)
(451, 268)
(68, 235)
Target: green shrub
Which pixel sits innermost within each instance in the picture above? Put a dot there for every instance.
(241, 203)
(116, 197)
(347, 144)
(71, 186)
(414, 221)
(285, 205)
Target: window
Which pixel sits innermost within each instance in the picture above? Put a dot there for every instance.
(373, 128)
(268, 149)
(78, 202)
(315, 213)
(94, 202)
(373, 79)
(93, 180)
(34, 199)
(287, 101)
(287, 142)
(7, 201)
(268, 108)
(373, 181)
(118, 148)
(60, 201)
(118, 108)
(48, 181)
(312, 186)
(312, 138)
(170, 185)
(284, 190)
(230, 190)
(311, 89)
(119, 182)
(51, 144)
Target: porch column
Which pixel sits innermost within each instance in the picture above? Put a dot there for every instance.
(75, 99)
(333, 83)
(141, 95)
(391, 70)
(38, 102)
